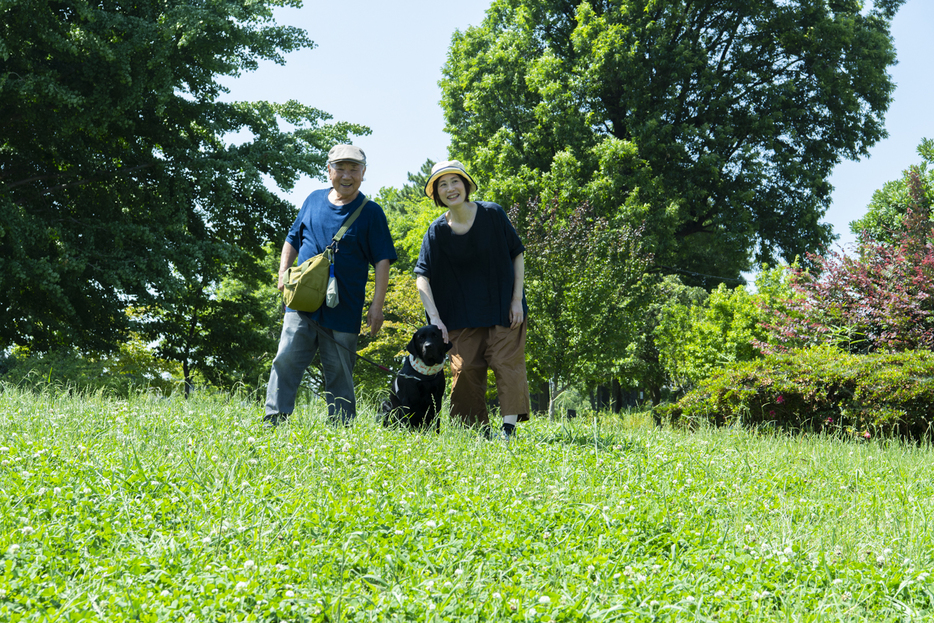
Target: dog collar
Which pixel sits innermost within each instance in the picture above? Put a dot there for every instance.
(421, 368)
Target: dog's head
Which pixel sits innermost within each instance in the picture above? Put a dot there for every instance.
(428, 345)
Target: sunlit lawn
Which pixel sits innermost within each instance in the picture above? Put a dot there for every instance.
(170, 510)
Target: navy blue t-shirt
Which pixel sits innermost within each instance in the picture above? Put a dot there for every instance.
(365, 243)
(472, 275)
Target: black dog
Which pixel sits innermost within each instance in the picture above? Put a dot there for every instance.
(417, 390)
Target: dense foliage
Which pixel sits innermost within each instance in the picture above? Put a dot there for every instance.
(118, 188)
(817, 389)
(722, 119)
(585, 281)
(131, 371)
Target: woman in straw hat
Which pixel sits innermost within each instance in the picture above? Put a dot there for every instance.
(470, 275)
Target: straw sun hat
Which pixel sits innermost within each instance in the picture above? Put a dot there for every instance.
(443, 168)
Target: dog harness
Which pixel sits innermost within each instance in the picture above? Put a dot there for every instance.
(422, 368)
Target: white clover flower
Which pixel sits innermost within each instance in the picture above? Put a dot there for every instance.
(4, 450)
(458, 572)
(399, 533)
(747, 529)
(295, 543)
(370, 492)
(448, 584)
(241, 586)
(164, 593)
(206, 540)
(249, 565)
(923, 576)
(431, 523)
(544, 600)
(789, 552)
(27, 530)
(346, 447)
(496, 596)
(719, 594)
(289, 594)
(13, 549)
(57, 491)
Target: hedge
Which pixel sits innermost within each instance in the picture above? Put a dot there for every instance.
(817, 389)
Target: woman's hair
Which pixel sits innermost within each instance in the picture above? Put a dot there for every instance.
(437, 196)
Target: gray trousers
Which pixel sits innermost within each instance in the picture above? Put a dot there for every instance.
(298, 344)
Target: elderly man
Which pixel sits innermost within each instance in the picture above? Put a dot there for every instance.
(332, 331)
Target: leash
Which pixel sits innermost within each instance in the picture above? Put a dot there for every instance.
(321, 331)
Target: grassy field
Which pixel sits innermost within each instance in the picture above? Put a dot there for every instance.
(167, 510)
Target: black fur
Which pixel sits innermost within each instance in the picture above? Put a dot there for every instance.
(415, 398)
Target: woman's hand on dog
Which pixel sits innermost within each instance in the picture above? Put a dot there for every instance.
(444, 330)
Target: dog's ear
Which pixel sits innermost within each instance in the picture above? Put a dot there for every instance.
(412, 346)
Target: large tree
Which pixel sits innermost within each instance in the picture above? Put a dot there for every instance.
(119, 187)
(724, 117)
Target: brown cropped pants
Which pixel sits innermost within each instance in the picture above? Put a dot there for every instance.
(474, 351)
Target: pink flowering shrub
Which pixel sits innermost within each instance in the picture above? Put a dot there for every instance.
(881, 298)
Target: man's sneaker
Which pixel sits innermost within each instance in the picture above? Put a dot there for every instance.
(271, 420)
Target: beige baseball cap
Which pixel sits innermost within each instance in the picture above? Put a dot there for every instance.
(443, 168)
(347, 153)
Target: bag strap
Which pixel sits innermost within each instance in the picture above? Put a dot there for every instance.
(343, 230)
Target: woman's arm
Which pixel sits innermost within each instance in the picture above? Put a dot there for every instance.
(516, 313)
(428, 301)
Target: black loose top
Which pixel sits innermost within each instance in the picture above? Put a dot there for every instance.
(472, 275)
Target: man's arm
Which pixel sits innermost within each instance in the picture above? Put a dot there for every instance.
(374, 316)
(286, 259)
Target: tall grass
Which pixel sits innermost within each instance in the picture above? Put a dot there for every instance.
(172, 510)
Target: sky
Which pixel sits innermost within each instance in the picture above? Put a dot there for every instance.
(378, 65)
